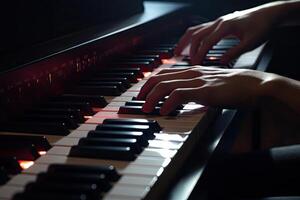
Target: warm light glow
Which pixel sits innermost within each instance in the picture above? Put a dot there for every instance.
(146, 74)
(139, 79)
(169, 61)
(42, 153)
(25, 164)
(212, 58)
(88, 117)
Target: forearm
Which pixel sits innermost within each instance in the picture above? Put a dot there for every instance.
(284, 89)
(282, 10)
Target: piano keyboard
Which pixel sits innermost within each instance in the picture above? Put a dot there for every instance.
(80, 146)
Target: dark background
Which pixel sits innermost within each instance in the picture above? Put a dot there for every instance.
(212, 9)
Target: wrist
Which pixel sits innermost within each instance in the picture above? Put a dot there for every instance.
(272, 85)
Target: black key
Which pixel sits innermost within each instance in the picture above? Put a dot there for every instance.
(40, 142)
(152, 61)
(98, 90)
(122, 127)
(229, 42)
(221, 47)
(89, 189)
(38, 128)
(10, 164)
(136, 70)
(78, 116)
(85, 108)
(38, 195)
(186, 59)
(119, 85)
(216, 51)
(125, 81)
(162, 47)
(3, 176)
(67, 178)
(93, 100)
(68, 120)
(182, 65)
(141, 56)
(141, 103)
(129, 75)
(208, 62)
(163, 53)
(145, 66)
(107, 152)
(109, 171)
(137, 110)
(141, 138)
(20, 151)
(153, 124)
(113, 142)
(214, 55)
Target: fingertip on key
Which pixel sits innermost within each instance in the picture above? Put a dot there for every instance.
(145, 109)
(163, 112)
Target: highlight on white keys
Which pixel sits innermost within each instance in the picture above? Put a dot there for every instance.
(212, 58)
(169, 61)
(42, 153)
(146, 74)
(186, 50)
(25, 164)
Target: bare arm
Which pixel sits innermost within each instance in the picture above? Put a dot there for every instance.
(251, 26)
(218, 87)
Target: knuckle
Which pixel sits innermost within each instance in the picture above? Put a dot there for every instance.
(153, 79)
(178, 94)
(191, 29)
(199, 81)
(195, 72)
(162, 86)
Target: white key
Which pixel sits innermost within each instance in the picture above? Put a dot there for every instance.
(138, 180)
(87, 127)
(164, 153)
(164, 144)
(127, 191)
(8, 191)
(21, 179)
(151, 161)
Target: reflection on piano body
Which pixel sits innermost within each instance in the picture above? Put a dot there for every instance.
(58, 139)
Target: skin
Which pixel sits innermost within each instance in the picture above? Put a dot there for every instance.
(217, 87)
(251, 27)
(225, 87)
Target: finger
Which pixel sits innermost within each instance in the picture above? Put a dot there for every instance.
(147, 87)
(165, 88)
(202, 95)
(234, 52)
(207, 44)
(185, 39)
(197, 39)
(170, 70)
(176, 98)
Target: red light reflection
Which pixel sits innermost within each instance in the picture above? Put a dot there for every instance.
(88, 117)
(212, 58)
(25, 164)
(169, 61)
(146, 74)
(42, 153)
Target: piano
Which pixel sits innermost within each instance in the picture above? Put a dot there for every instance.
(70, 127)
